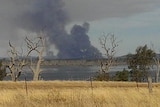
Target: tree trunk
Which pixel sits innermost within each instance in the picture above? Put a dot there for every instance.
(150, 83)
(35, 76)
(157, 74)
(157, 62)
(13, 77)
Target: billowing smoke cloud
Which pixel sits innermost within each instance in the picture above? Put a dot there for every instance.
(50, 16)
(77, 44)
(53, 15)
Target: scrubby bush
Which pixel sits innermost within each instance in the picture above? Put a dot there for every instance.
(121, 75)
(102, 77)
(2, 71)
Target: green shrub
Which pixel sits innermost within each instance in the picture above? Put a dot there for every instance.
(121, 75)
(102, 77)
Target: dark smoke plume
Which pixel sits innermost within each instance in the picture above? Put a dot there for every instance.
(77, 44)
(50, 15)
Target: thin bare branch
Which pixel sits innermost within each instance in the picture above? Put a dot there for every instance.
(109, 44)
(37, 45)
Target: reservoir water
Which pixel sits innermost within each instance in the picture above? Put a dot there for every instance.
(67, 72)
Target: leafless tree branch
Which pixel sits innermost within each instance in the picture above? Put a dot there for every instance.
(109, 43)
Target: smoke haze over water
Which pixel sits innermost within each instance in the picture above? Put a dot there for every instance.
(50, 15)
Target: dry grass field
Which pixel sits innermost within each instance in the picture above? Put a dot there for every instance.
(77, 94)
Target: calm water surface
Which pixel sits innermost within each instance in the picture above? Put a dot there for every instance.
(68, 72)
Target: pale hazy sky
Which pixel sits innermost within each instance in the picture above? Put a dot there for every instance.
(134, 22)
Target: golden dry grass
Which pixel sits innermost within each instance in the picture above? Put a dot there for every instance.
(77, 94)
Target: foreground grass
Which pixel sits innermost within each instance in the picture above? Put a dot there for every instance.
(77, 94)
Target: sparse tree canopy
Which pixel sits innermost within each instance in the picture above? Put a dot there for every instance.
(140, 63)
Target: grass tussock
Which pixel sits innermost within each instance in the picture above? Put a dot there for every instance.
(77, 94)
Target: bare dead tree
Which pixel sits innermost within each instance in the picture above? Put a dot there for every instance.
(157, 62)
(38, 45)
(16, 63)
(109, 44)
